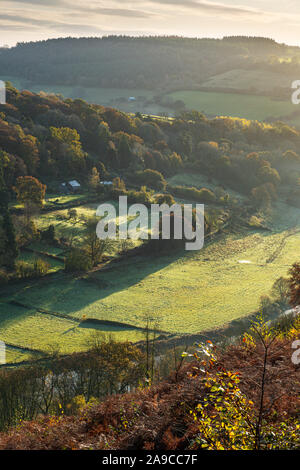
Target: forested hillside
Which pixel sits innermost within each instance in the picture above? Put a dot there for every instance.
(51, 138)
(155, 63)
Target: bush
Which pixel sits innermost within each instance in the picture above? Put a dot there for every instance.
(151, 178)
(72, 214)
(38, 268)
(140, 197)
(202, 196)
(77, 260)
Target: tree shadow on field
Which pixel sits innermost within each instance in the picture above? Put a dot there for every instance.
(65, 294)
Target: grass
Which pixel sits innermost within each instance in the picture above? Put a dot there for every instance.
(14, 355)
(235, 105)
(66, 227)
(187, 292)
(241, 79)
(43, 247)
(186, 296)
(53, 198)
(199, 181)
(28, 328)
(64, 199)
(197, 291)
(29, 257)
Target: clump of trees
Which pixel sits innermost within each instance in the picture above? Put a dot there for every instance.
(55, 384)
(150, 178)
(31, 193)
(203, 195)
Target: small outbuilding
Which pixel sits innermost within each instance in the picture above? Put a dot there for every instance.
(74, 186)
(70, 187)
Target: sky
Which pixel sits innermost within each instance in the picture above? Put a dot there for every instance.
(32, 20)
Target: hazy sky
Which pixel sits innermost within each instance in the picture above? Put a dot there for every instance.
(25, 20)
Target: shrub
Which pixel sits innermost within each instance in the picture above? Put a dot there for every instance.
(38, 268)
(72, 214)
(151, 178)
(202, 196)
(140, 197)
(23, 269)
(77, 260)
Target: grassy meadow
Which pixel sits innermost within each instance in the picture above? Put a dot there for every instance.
(188, 292)
(233, 104)
(200, 181)
(240, 79)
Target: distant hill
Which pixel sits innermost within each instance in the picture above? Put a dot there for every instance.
(153, 63)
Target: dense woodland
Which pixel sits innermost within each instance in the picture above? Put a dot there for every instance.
(54, 139)
(154, 63)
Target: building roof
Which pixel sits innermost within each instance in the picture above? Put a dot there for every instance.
(74, 184)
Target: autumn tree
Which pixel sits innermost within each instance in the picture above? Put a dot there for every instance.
(8, 245)
(280, 289)
(31, 193)
(66, 149)
(264, 195)
(94, 246)
(294, 284)
(291, 156)
(119, 184)
(94, 179)
(151, 178)
(267, 174)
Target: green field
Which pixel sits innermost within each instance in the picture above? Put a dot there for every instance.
(235, 105)
(27, 328)
(200, 181)
(256, 80)
(186, 293)
(66, 227)
(29, 257)
(211, 103)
